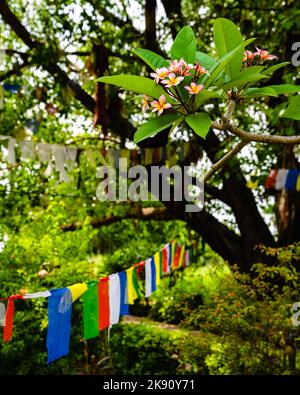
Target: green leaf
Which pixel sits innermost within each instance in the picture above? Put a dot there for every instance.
(152, 59)
(223, 62)
(155, 125)
(285, 89)
(204, 96)
(271, 70)
(293, 109)
(245, 76)
(205, 60)
(228, 37)
(199, 122)
(184, 45)
(137, 84)
(259, 92)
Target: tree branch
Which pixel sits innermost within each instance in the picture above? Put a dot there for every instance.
(52, 68)
(145, 214)
(218, 165)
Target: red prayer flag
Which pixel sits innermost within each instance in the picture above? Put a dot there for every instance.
(177, 256)
(164, 260)
(271, 180)
(103, 305)
(9, 317)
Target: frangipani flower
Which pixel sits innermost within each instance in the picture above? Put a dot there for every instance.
(176, 65)
(186, 70)
(172, 80)
(160, 105)
(145, 103)
(193, 89)
(264, 55)
(199, 70)
(248, 56)
(160, 74)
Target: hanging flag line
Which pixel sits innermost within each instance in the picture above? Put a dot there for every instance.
(104, 300)
(279, 179)
(63, 158)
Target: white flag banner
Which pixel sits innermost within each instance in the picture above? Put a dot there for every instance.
(11, 155)
(27, 149)
(43, 152)
(114, 298)
(42, 294)
(2, 314)
(71, 154)
(60, 157)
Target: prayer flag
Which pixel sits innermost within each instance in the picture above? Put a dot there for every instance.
(271, 179)
(157, 267)
(103, 305)
(77, 290)
(281, 179)
(148, 277)
(132, 294)
(59, 325)
(90, 310)
(114, 298)
(124, 307)
(291, 179)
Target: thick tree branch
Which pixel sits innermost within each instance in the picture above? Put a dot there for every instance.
(145, 214)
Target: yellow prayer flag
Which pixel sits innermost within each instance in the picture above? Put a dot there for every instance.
(77, 290)
(298, 184)
(131, 292)
(173, 253)
(181, 256)
(157, 267)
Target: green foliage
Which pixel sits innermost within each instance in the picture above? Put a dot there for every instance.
(156, 125)
(135, 84)
(227, 38)
(293, 109)
(199, 122)
(184, 45)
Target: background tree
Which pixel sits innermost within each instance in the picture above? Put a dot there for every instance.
(56, 51)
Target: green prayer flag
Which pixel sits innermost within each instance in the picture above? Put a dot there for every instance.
(90, 310)
(161, 264)
(136, 283)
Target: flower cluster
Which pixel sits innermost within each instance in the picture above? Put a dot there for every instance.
(169, 78)
(260, 55)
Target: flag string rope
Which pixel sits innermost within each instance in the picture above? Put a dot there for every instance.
(104, 300)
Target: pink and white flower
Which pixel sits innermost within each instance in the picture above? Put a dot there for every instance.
(160, 105)
(176, 65)
(160, 74)
(194, 89)
(145, 103)
(248, 56)
(264, 55)
(172, 80)
(199, 70)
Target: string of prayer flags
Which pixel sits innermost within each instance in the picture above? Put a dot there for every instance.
(103, 303)
(104, 300)
(124, 307)
(59, 324)
(90, 310)
(283, 179)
